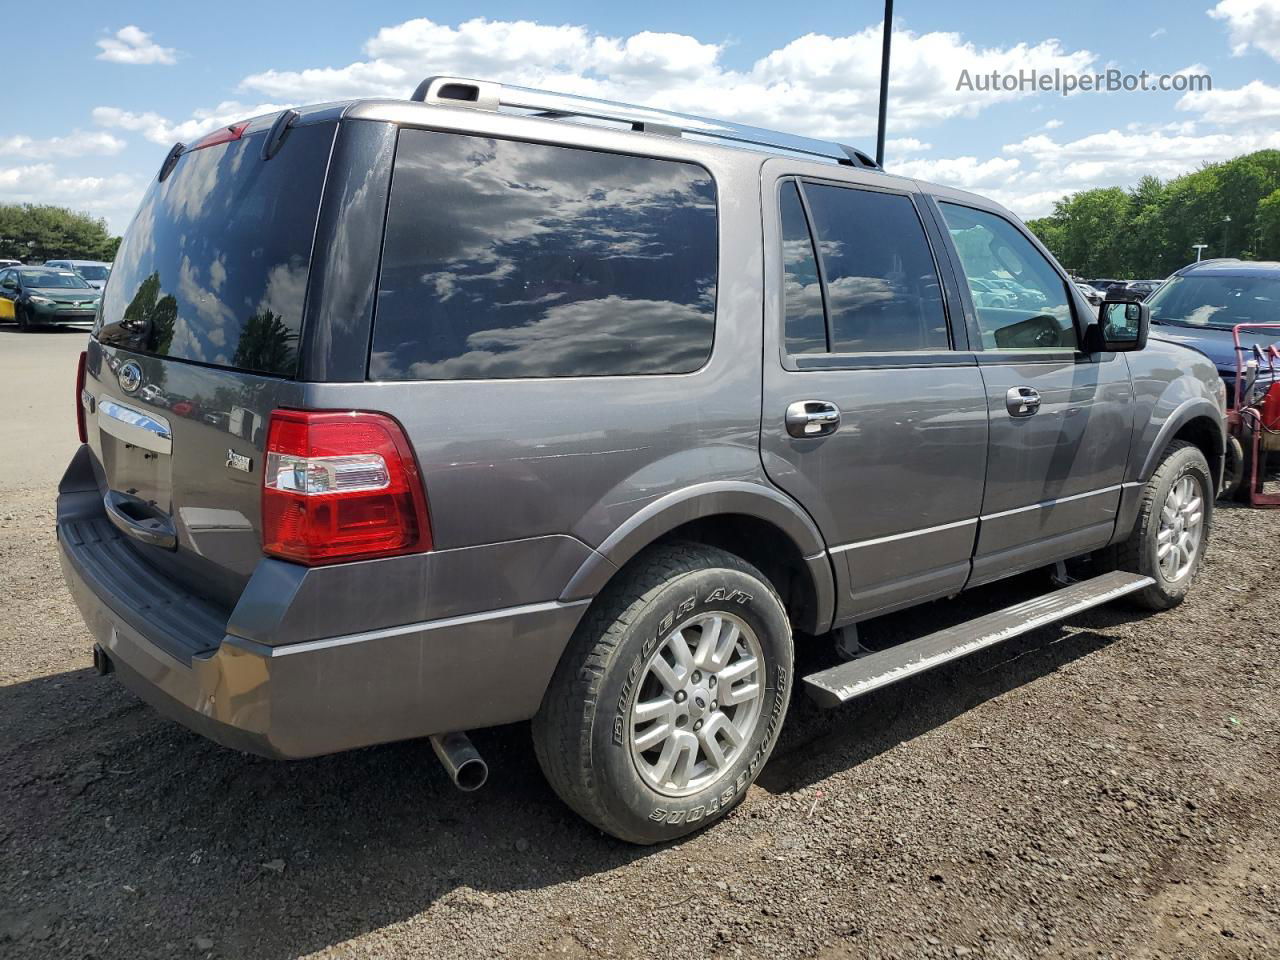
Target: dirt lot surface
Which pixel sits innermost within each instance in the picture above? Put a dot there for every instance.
(1104, 789)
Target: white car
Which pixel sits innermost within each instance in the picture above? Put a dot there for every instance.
(94, 272)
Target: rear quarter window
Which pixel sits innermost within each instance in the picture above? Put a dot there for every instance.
(505, 259)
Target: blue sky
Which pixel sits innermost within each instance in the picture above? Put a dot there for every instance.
(123, 80)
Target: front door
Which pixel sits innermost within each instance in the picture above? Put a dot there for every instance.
(1060, 420)
(874, 417)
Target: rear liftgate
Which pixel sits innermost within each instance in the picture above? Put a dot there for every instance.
(840, 684)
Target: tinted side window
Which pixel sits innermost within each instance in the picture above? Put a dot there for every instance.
(1020, 300)
(806, 324)
(510, 259)
(883, 293)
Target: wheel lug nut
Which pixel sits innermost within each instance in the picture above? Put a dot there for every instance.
(711, 681)
(681, 696)
(697, 725)
(697, 676)
(715, 704)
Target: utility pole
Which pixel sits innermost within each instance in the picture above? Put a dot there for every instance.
(1199, 248)
(884, 79)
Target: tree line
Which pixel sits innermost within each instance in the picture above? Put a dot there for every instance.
(1150, 230)
(33, 233)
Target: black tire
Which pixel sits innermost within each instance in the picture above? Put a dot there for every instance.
(1243, 488)
(1138, 554)
(20, 317)
(1235, 469)
(582, 734)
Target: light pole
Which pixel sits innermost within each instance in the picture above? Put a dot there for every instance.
(884, 79)
(1226, 233)
(1199, 248)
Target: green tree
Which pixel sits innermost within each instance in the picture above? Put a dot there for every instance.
(36, 232)
(1267, 227)
(265, 344)
(1151, 230)
(149, 318)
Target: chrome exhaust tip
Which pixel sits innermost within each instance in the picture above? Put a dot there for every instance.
(461, 760)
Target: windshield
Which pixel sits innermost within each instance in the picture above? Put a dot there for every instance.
(92, 273)
(48, 279)
(1217, 302)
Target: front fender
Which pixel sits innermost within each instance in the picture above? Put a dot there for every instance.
(1172, 386)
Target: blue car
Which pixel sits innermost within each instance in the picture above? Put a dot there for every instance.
(1198, 306)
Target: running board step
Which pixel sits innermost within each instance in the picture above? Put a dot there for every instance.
(840, 684)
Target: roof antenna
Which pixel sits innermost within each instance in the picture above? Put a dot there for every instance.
(884, 80)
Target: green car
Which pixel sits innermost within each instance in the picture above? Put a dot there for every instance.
(40, 295)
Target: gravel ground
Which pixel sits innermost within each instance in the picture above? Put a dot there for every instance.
(1103, 789)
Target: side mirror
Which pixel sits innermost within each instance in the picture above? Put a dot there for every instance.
(1122, 325)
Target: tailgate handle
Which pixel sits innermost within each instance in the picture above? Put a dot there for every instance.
(139, 520)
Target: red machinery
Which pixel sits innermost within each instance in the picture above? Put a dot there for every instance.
(1254, 415)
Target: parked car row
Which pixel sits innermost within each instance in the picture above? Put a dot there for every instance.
(52, 293)
(1118, 289)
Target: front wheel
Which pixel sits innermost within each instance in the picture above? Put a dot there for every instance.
(669, 698)
(1172, 530)
(20, 317)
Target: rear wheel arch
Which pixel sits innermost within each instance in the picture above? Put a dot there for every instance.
(751, 521)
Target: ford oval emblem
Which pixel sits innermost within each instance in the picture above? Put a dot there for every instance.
(130, 376)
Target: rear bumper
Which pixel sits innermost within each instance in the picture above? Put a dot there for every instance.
(308, 698)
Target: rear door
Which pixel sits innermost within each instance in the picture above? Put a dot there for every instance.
(874, 411)
(197, 342)
(1060, 419)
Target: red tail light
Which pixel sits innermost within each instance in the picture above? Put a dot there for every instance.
(222, 135)
(340, 486)
(80, 422)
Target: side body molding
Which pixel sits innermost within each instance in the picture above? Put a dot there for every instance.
(718, 498)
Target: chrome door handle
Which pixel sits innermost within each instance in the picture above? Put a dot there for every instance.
(1022, 401)
(812, 418)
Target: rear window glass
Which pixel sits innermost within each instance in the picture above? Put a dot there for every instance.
(510, 259)
(806, 324)
(214, 266)
(883, 293)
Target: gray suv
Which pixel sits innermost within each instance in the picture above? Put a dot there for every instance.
(406, 418)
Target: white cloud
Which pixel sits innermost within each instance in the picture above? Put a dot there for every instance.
(1033, 173)
(1158, 32)
(1254, 102)
(78, 143)
(906, 145)
(42, 183)
(968, 173)
(1052, 124)
(132, 45)
(1251, 23)
(160, 130)
(816, 84)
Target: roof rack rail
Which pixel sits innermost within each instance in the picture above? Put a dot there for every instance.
(487, 95)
